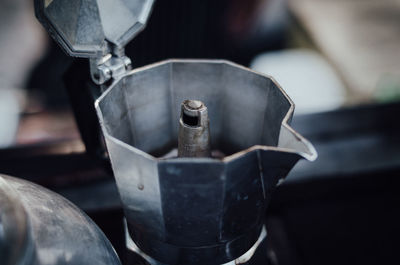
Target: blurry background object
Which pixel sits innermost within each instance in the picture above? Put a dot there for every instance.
(22, 43)
(9, 116)
(306, 76)
(360, 38)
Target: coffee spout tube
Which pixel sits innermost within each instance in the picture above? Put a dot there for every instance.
(194, 130)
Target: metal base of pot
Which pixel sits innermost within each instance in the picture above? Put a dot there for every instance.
(244, 259)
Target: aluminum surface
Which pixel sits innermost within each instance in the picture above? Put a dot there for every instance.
(39, 227)
(198, 210)
(240, 260)
(90, 28)
(15, 238)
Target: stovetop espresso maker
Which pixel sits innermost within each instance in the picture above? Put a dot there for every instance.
(196, 146)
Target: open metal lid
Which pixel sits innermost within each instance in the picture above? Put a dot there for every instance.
(86, 28)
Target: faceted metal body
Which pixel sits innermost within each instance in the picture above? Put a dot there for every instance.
(198, 210)
(39, 227)
(192, 209)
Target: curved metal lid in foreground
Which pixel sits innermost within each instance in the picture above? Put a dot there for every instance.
(39, 227)
(185, 210)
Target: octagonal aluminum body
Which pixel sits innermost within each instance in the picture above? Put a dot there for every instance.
(201, 210)
(83, 27)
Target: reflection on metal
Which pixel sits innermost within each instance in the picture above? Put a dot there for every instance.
(15, 238)
(40, 227)
(130, 245)
(194, 131)
(246, 257)
(249, 254)
(47, 3)
(194, 210)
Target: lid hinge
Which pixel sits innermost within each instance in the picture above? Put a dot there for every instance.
(110, 66)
